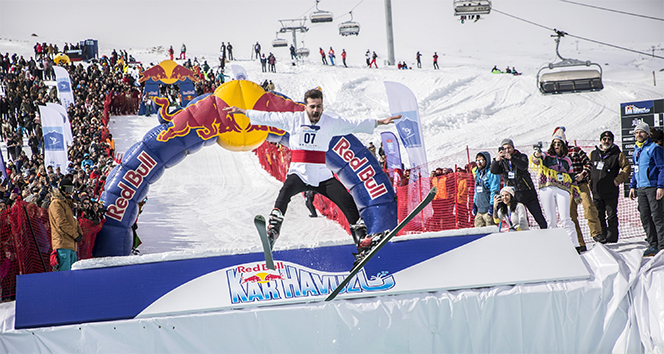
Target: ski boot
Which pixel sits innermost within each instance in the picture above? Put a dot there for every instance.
(365, 243)
(274, 226)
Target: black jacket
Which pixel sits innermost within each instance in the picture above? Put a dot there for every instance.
(615, 167)
(521, 182)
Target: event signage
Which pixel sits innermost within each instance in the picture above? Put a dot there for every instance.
(457, 260)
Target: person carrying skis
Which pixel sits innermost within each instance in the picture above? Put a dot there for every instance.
(310, 132)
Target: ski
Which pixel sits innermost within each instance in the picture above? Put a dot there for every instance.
(259, 221)
(381, 243)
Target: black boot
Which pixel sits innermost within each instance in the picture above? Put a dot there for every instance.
(274, 226)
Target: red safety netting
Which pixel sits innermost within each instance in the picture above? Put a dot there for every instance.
(628, 215)
(25, 237)
(452, 208)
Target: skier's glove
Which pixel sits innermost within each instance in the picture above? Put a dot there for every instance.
(79, 238)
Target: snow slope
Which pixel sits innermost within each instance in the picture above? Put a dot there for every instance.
(206, 202)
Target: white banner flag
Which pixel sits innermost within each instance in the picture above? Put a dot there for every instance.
(240, 73)
(402, 101)
(64, 86)
(55, 151)
(69, 139)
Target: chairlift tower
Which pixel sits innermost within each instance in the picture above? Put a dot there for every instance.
(390, 32)
(294, 26)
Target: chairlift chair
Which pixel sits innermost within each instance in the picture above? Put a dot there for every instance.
(302, 52)
(320, 16)
(349, 28)
(569, 75)
(472, 7)
(279, 42)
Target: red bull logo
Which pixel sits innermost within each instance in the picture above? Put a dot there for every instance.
(208, 119)
(256, 283)
(168, 72)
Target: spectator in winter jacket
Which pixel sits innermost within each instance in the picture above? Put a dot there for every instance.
(609, 169)
(581, 167)
(322, 54)
(647, 185)
(506, 208)
(343, 57)
(418, 56)
(183, 52)
(65, 230)
(330, 54)
(263, 63)
(487, 186)
(435, 60)
(557, 183)
(513, 167)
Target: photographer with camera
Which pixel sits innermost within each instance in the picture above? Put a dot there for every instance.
(65, 230)
(557, 183)
(512, 165)
(506, 208)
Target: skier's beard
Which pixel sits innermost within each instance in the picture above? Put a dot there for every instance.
(314, 117)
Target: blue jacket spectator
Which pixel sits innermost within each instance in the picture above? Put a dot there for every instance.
(647, 185)
(487, 186)
(87, 161)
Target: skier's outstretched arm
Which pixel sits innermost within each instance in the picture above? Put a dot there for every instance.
(388, 120)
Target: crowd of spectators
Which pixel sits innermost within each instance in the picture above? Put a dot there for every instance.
(25, 84)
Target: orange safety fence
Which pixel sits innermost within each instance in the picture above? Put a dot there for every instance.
(452, 207)
(25, 237)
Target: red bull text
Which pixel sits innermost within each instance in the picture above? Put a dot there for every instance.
(133, 179)
(256, 283)
(366, 174)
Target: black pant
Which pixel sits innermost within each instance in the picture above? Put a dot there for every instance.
(331, 188)
(652, 219)
(309, 202)
(530, 201)
(607, 208)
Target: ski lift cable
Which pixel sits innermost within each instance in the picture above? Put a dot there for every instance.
(617, 11)
(579, 37)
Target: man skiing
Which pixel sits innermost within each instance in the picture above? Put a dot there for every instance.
(310, 134)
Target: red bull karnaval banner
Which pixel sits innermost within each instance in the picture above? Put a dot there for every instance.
(416, 264)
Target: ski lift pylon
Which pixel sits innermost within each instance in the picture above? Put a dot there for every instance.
(320, 16)
(349, 28)
(472, 7)
(569, 75)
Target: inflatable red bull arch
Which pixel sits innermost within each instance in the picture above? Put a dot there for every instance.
(168, 72)
(204, 122)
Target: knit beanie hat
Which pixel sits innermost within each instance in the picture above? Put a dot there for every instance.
(606, 133)
(508, 189)
(507, 142)
(559, 133)
(643, 126)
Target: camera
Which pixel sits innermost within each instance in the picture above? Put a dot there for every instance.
(538, 147)
(501, 149)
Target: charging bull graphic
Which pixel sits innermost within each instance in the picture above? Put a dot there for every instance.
(204, 122)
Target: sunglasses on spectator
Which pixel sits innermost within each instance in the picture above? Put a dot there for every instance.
(557, 143)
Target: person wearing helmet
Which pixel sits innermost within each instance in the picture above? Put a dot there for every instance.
(65, 230)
